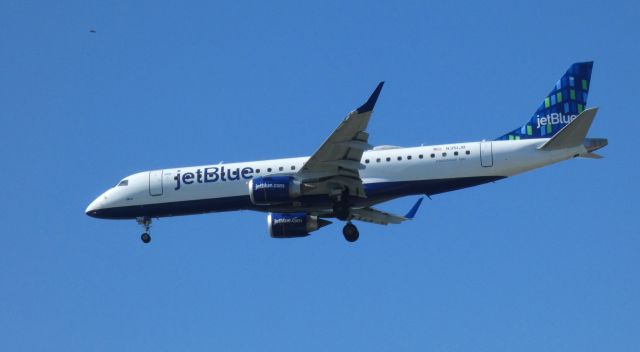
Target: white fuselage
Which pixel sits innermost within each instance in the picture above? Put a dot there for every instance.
(389, 173)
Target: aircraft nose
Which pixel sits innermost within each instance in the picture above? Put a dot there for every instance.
(92, 209)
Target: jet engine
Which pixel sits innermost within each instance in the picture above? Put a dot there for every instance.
(288, 225)
(270, 190)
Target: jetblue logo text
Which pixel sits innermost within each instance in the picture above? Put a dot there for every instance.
(287, 221)
(554, 119)
(212, 174)
(270, 186)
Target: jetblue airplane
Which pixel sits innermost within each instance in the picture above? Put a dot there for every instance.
(346, 177)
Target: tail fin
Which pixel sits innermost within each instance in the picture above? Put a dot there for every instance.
(567, 99)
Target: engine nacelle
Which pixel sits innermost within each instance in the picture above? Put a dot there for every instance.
(288, 225)
(269, 190)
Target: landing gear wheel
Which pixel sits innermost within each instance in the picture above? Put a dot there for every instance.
(350, 232)
(145, 221)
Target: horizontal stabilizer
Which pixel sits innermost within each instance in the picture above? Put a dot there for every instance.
(573, 134)
(593, 144)
(591, 156)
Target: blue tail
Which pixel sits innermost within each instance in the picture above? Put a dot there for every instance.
(563, 104)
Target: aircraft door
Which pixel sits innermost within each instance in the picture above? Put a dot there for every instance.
(486, 154)
(155, 182)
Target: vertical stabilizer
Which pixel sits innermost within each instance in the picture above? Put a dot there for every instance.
(563, 104)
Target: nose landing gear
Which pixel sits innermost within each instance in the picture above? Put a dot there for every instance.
(146, 222)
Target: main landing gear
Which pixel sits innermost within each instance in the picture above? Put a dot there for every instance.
(342, 211)
(146, 222)
(341, 206)
(350, 232)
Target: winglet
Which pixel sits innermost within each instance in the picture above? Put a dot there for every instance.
(368, 106)
(414, 209)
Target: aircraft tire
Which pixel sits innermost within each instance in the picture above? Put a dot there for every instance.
(350, 232)
(145, 237)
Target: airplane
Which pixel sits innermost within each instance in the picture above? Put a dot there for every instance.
(346, 176)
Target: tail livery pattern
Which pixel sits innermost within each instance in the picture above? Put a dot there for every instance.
(563, 104)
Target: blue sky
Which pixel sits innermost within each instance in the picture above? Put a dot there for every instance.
(544, 261)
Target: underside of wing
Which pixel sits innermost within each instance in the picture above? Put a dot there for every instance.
(376, 216)
(336, 163)
(383, 218)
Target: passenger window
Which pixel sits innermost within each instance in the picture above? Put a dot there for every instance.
(257, 171)
(468, 152)
(366, 161)
(388, 159)
(123, 183)
(378, 160)
(399, 158)
(269, 170)
(293, 167)
(420, 156)
(408, 157)
(433, 156)
(281, 168)
(455, 153)
(444, 154)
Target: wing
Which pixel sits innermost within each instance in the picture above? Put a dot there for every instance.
(337, 161)
(383, 218)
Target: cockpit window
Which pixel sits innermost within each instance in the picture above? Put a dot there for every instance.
(123, 183)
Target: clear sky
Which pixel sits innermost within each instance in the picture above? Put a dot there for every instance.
(545, 261)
